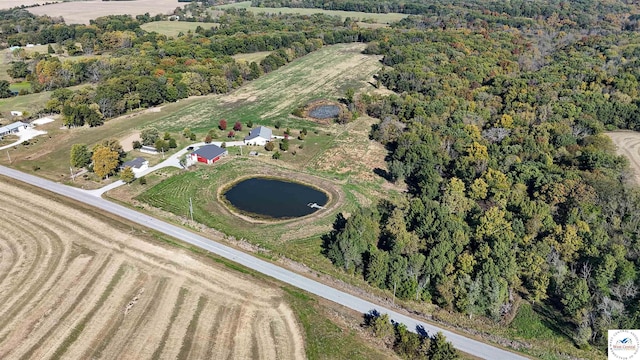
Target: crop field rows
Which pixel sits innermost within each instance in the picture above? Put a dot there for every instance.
(74, 286)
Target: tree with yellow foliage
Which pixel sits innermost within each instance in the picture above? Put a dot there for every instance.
(105, 161)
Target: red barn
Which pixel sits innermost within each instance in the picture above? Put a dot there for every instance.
(208, 154)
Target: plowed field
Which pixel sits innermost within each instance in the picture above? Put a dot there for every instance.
(75, 286)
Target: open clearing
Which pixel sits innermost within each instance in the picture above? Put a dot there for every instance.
(628, 144)
(77, 286)
(379, 18)
(173, 28)
(81, 12)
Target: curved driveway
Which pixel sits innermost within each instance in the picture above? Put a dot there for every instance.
(462, 343)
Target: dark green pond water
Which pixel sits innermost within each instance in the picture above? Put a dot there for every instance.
(275, 199)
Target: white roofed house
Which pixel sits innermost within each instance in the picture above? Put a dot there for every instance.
(137, 165)
(259, 136)
(13, 128)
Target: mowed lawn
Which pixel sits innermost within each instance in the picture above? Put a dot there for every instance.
(379, 18)
(173, 28)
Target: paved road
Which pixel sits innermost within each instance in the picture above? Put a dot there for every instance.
(467, 345)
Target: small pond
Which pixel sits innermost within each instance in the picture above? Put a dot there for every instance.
(324, 111)
(276, 199)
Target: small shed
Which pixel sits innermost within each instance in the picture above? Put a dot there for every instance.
(16, 113)
(208, 154)
(137, 165)
(149, 150)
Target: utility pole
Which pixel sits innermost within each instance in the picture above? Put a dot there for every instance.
(9, 156)
(191, 208)
(394, 292)
(71, 171)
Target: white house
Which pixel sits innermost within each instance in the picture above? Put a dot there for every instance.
(13, 128)
(137, 165)
(258, 136)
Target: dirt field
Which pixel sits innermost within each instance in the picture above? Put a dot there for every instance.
(8, 4)
(74, 286)
(80, 12)
(173, 28)
(127, 141)
(628, 144)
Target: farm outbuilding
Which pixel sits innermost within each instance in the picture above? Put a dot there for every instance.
(149, 150)
(208, 154)
(258, 136)
(137, 165)
(13, 128)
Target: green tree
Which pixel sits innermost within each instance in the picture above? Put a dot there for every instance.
(50, 49)
(284, 144)
(5, 91)
(18, 69)
(127, 175)
(80, 155)
(149, 136)
(269, 146)
(105, 161)
(276, 155)
(161, 145)
(441, 349)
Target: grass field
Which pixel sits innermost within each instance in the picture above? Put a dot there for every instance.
(28, 103)
(379, 18)
(251, 57)
(173, 28)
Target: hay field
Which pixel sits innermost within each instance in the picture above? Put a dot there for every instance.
(173, 28)
(77, 286)
(379, 18)
(628, 145)
(8, 4)
(80, 12)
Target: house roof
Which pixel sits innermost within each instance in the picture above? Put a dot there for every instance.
(12, 127)
(260, 131)
(136, 163)
(210, 152)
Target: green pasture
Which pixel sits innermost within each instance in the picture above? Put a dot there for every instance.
(379, 18)
(173, 28)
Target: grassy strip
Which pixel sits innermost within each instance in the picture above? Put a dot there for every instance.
(77, 330)
(191, 330)
(324, 339)
(174, 315)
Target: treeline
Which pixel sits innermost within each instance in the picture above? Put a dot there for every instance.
(513, 189)
(580, 13)
(407, 344)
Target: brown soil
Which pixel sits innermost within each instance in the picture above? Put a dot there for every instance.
(74, 285)
(628, 144)
(127, 141)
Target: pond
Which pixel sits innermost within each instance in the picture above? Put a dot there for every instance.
(324, 111)
(275, 199)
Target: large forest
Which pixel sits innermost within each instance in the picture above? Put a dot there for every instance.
(513, 189)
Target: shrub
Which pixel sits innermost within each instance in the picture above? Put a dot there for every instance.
(222, 124)
(137, 145)
(276, 155)
(300, 146)
(237, 126)
(172, 143)
(299, 112)
(192, 137)
(277, 124)
(284, 144)
(303, 131)
(223, 145)
(301, 136)
(231, 134)
(207, 139)
(143, 181)
(287, 131)
(166, 136)
(269, 146)
(249, 123)
(186, 133)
